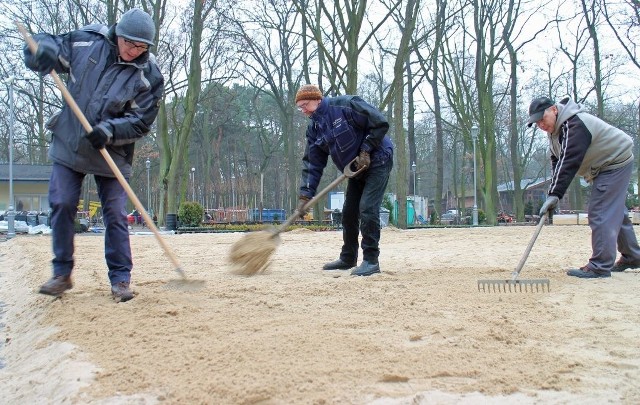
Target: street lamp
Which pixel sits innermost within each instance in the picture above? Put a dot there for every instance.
(193, 184)
(148, 163)
(474, 135)
(233, 193)
(413, 170)
(11, 215)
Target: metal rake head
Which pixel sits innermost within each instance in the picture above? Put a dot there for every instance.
(539, 285)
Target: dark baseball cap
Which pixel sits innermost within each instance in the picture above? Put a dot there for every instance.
(537, 108)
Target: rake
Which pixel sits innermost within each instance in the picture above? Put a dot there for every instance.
(183, 282)
(514, 284)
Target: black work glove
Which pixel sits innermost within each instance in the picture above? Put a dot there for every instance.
(549, 205)
(45, 58)
(98, 138)
(363, 160)
(302, 201)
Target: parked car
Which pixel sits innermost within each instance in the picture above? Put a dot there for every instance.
(451, 217)
(504, 218)
(134, 218)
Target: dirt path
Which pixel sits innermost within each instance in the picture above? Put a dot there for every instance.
(419, 333)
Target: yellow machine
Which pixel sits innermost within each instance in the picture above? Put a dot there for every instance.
(93, 207)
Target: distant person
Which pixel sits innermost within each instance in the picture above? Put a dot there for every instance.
(583, 144)
(116, 82)
(346, 127)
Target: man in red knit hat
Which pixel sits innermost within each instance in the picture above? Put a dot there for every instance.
(346, 127)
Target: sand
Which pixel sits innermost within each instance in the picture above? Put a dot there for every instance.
(419, 333)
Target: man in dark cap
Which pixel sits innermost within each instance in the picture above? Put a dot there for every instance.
(583, 144)
(344, 128)
(116, 82)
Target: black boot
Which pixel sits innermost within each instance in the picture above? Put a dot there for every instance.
(56, 286)
(121, 292)
(366, 269)
(339, 265)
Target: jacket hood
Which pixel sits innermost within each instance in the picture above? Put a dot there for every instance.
(567, 108)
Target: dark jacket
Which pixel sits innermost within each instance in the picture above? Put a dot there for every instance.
(584, 144)
(120, 97)
(341, 127)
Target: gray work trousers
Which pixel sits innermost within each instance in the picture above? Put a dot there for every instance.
(609, 221)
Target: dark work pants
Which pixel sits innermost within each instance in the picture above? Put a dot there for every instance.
(609, 220)
(361, 213)
(64, 194)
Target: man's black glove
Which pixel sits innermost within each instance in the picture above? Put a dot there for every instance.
(363, 160)
(549, 204)
(98, 138)
(302, 201)
(45, 58)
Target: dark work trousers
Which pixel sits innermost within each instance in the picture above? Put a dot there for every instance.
(64, 195)
(361, 213)
(609, 221)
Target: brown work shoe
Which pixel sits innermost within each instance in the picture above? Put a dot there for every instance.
(622, 265)
(121, 292)
(56, 286)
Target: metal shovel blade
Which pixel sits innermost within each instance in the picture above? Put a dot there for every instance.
(535, 285)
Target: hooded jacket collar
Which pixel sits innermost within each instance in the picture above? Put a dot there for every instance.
(567, 108)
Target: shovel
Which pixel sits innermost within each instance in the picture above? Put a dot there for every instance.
(515, 284)
(250, 255)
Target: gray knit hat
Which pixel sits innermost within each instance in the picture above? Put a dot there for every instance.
(136, 25)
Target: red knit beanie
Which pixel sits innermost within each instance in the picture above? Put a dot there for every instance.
(309, 92)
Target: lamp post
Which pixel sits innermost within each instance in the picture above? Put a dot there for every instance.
(193, 184)
(261, 194)
(474, 135)
(148, 163)
(233, 195)
(11, 215)
(413, 170)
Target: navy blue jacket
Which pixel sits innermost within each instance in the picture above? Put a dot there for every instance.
(122, 98)
(341, 127)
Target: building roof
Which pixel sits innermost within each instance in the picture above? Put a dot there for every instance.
(26, 172)
(526, 184)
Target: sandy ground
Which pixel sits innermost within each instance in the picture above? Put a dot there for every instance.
(419, 333)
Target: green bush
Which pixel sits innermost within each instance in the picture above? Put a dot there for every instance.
(433, 218)
(632, 199)
(190, 213)
(388, 204)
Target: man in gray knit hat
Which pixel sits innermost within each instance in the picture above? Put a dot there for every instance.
(583, 144)
(118, 85)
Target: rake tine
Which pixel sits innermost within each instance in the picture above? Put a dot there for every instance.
(514, 286)
(529, 285)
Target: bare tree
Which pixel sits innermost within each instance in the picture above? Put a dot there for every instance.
(430, 66)
(519, 147)
(205, 28)
(274, 55)
(406, 23)
(337, 32)
(624, 20)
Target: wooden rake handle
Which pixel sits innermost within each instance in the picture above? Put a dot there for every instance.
(33, 46)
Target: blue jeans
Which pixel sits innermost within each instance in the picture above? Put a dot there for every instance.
(64, 195)
(361, 213)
